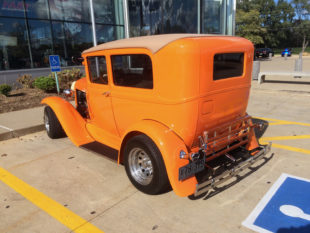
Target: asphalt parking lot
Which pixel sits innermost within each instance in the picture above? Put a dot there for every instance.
(52, 186)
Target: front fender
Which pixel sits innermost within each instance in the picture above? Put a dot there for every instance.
(71, 121)
(170, 146)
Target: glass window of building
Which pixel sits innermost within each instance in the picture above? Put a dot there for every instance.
(166, 16)
(14, 50)
(12, 8)
(104, 11)
(180, 16)
(145, 17)
(78, 37)
(106, 33)
(37, 9)
(71, 10)
(60, 46)
(41, 42)
(212, 14)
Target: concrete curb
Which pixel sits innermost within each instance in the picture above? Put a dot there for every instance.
(21, 132)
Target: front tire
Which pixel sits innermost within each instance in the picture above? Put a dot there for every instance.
(52, 125)
(144, 165)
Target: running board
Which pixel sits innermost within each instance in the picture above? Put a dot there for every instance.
(101, 149)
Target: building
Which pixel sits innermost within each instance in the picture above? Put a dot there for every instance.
(31, 30)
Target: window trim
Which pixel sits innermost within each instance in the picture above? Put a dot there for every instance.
(89, 71)
(131, 54)
(230, 77)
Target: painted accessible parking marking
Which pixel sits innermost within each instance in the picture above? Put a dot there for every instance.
(284, 209)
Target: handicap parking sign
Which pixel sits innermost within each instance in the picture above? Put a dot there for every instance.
(284, 209)
(54, 63)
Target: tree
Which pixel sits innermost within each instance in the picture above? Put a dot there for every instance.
(248, 22)
(302, 24)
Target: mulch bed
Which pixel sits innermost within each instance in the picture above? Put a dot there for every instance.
(22, 99)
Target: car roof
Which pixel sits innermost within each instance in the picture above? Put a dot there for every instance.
(153, 43)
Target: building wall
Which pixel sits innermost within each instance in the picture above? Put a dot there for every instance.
(31, 30)
(179, 16)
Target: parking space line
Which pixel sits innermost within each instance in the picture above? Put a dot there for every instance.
(290, 148)
(6, 128)
(53, 208)
(283, 122)
(280, 123)
(285, 138)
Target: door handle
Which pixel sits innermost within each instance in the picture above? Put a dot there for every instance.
(106, 93)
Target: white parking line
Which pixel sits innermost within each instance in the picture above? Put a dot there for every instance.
(3, 127)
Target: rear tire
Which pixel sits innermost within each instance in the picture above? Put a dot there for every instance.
(144, 165)
(52, 125)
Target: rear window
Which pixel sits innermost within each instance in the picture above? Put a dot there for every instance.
(134, 70)
(227, 65)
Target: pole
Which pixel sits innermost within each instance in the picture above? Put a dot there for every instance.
(92, 16)
(198, 16)
(126, 18)
(57, 83)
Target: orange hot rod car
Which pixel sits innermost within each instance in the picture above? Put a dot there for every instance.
(165, 106)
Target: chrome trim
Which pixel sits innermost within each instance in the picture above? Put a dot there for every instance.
(214, 181)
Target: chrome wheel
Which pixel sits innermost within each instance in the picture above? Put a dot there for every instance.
(140, 166)
(46, 122)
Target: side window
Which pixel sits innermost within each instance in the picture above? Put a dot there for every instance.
(97, 67)
(227, 65)
(134, 70)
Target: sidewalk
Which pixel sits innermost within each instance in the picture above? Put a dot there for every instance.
(22, 122)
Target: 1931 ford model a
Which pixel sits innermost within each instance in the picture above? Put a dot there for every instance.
(166, 107)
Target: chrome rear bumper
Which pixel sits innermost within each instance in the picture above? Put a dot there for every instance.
(217, 180)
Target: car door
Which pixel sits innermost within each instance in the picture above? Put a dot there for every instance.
(102, 124)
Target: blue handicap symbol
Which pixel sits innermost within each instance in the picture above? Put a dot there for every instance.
(54, 61)
(284, 209)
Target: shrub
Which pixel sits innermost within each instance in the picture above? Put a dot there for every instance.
(66, 77)
(5, 89)
(45, 83)
(26, 81)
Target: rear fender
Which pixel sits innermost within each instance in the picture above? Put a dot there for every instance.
(71, 121)
(170, 145)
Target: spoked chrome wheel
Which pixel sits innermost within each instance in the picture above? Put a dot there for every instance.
(46, 122)
(140, 166)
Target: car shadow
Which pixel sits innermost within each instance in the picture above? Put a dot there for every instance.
(287, 82)
(259, 132)
(235, 180)
(263, 59)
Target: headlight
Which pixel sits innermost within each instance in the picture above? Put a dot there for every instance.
(73, 86)
(68, 92)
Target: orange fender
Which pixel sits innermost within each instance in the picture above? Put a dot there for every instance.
(170, 146)
(71, 121)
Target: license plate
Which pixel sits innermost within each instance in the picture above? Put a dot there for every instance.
(192, 168)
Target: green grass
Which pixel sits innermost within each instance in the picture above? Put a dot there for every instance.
(295, 50)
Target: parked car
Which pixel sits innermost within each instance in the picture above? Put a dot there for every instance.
(263, 52)
(287, 52)
(171, 108)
